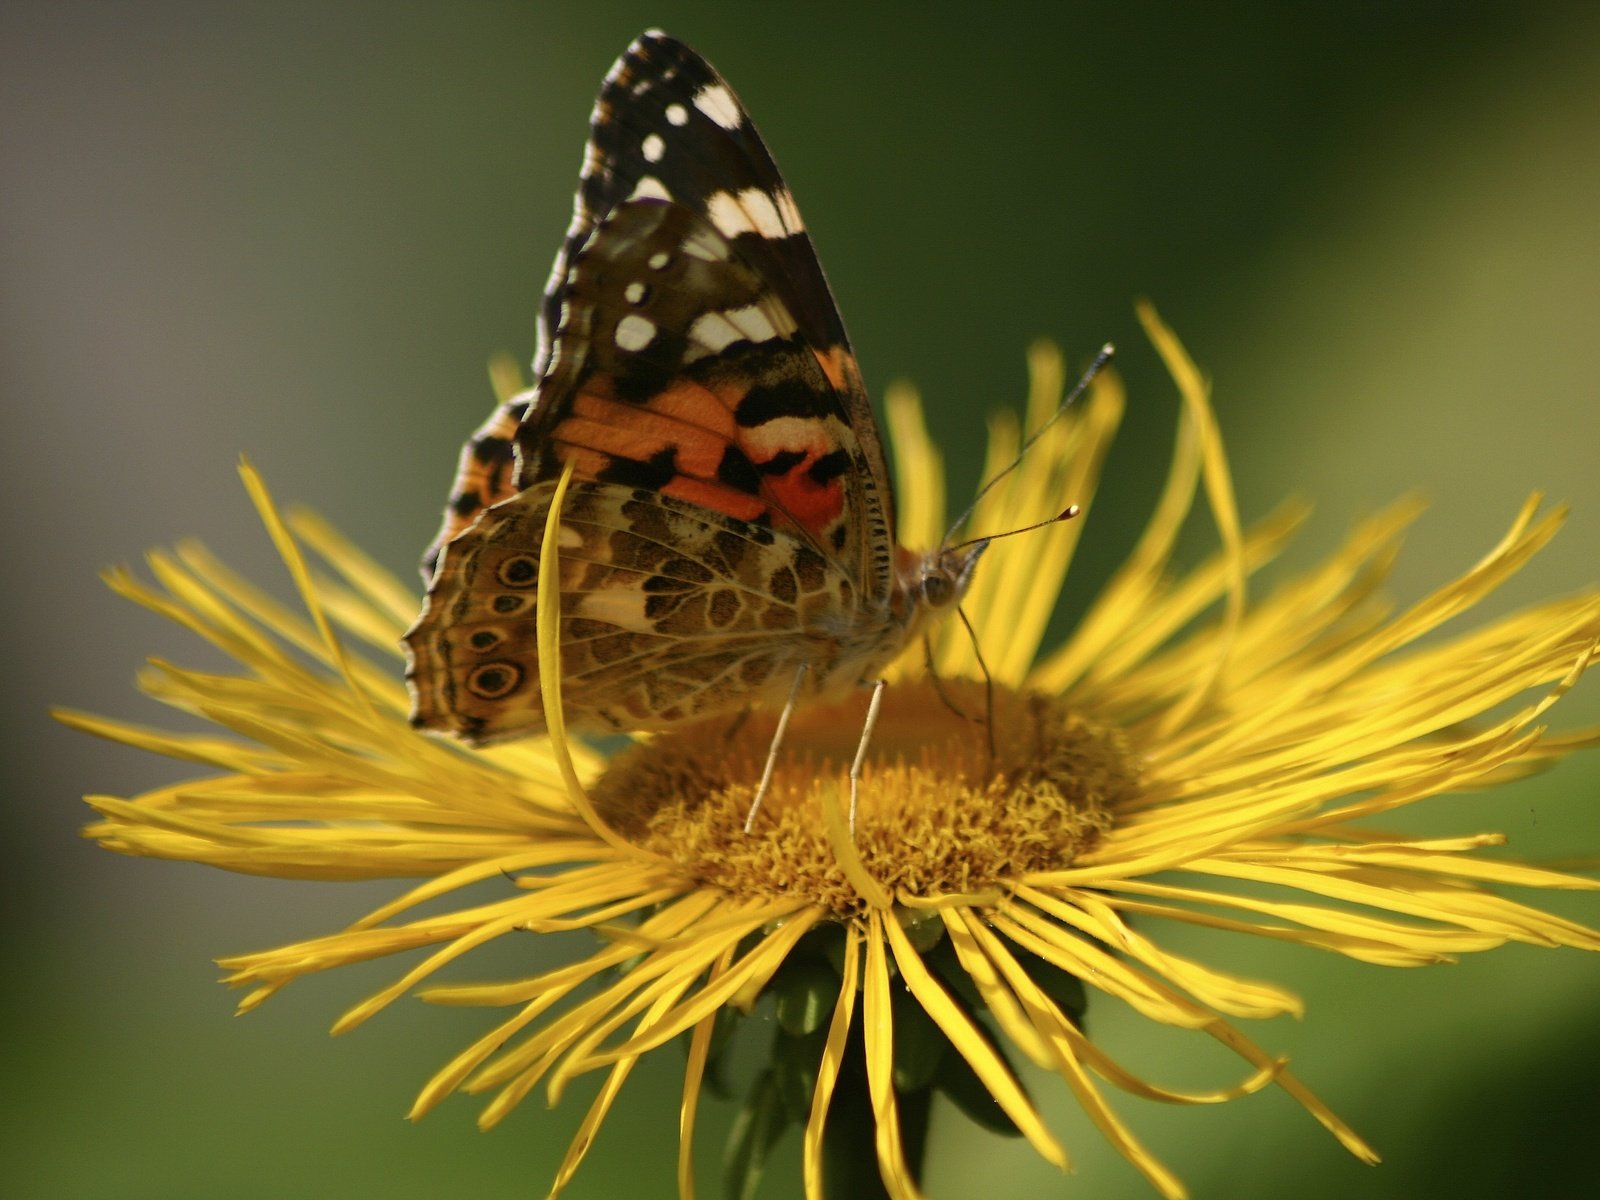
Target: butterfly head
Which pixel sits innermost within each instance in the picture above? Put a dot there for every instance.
(944, 575)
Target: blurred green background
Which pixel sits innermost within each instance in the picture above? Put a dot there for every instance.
(297, 230)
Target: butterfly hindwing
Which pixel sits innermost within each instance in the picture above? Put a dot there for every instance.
(667, 608)
(483, 475)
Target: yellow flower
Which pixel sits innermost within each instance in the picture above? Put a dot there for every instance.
(1018, 844)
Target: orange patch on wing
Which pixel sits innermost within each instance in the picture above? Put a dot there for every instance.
(454, 524)
(632, 431)
(811, 505)
(836, 363)
(586, 463)
(715, 496)
(487, 480)
(814, 506)
(602, 438)
(697, 423)
(698, 405)
(601, 384)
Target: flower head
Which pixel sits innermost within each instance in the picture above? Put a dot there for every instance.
(1025, 812)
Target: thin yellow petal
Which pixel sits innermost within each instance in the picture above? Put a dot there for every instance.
(548, 617)
(1219, 491)
(973, 1046)
(754, 968)
(1216, 990)
(919, 468)
(1385, 943)
(598, 1111)
(828, 1069)
(842, 841)
(381, 589)
(576, 1032)
(878, 1028)
(1098, 969)
(693, 1073)
(289, 550)
(450, 1077)
(1130, 589)
(1059, 1033)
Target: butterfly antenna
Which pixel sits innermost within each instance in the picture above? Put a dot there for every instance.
(1066, 514)
(988, 684)
(1107, 352)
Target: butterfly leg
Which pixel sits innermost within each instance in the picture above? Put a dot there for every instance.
(988, 683)
(777, 742)
(871, 722)
(737, 724)
(938, 684)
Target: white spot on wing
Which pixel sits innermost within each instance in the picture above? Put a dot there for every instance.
(714, 331)
(634, 292)
(763, 212)
(568, 538)
(727, 215)
(653, 148)
(658, 260)
(619, 606)
(788, 211)
(650, 188)
(634, 332)
(752, 322)
(677, 114)
(717, 102)
(705, 245)
(751, 211)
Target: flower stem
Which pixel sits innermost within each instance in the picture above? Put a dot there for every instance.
(849, 1152)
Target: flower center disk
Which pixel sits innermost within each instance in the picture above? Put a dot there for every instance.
(937, 814)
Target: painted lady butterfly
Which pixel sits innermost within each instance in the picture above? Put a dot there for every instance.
(727, 538)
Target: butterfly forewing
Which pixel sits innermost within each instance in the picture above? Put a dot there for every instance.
(666, 125)
(678, 370)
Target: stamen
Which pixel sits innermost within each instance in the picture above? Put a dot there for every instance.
(921, 773)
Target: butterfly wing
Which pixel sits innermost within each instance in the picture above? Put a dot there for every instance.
(669, 612)
(695, 366)
(667, 127)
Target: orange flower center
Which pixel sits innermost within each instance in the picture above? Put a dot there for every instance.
(938, 811)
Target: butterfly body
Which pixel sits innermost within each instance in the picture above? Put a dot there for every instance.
(728, 529)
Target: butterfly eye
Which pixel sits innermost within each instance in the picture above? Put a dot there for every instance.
(938, 589)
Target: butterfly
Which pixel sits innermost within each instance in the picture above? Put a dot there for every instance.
(727, 538)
